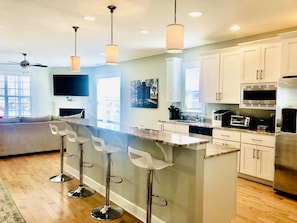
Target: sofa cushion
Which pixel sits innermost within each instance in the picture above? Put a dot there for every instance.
(36, 119)
(10, 120)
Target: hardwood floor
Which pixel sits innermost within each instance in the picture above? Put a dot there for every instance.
(40, 200)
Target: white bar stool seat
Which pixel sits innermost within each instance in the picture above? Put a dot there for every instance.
(61, 177)
(81, 191)
(144, 160)
(107, 211)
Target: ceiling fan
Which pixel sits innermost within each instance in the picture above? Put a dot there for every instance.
(25, 63)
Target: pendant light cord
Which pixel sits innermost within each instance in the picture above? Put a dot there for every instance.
(75, 30)
(111, 8)
(175, 12)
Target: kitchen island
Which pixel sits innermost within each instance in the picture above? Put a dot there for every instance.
(200, 187)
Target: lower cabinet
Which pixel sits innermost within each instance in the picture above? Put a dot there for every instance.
(257, 155)
(227, 138)
(175, 128)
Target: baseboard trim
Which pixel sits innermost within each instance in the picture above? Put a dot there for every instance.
(128, 206)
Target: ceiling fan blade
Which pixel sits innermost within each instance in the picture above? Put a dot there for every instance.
(11, 63)
(38, 65)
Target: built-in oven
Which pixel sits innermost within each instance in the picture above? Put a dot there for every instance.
(201, 132)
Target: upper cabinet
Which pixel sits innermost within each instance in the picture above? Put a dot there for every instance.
(220, 76)
(174, 70)
(289, 53)
(261, 61)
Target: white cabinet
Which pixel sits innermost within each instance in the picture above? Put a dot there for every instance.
(174, 70)
(220, 77)
(261, 62)
(289, 54)
(227, 138)
(175, 128)
(257, 155)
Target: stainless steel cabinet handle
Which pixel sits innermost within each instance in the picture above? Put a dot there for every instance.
(261, 74)
(257, 140)
(257, 75)
(254, 154)
(258, 154)
(223, 135)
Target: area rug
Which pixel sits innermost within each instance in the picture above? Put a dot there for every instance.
(9, 213)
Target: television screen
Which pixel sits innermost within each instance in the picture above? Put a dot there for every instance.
(71, 85)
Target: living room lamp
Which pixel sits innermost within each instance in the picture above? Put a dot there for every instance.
(111, 50)
(175, 36)
(75, 60)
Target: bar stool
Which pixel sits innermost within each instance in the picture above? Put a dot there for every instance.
(81, 191)
(61, 177)
(146, 161)
(107, 211)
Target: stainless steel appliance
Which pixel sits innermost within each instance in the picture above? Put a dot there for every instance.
(262, 95)
(221, 118)
(285, 176)
(201, 132)
(240, 121)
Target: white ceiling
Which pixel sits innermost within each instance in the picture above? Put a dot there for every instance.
(43, 28)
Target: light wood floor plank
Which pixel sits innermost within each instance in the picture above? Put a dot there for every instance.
(40, 200)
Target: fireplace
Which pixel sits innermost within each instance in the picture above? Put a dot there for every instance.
(71, 111)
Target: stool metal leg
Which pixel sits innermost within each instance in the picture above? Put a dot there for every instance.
(61, 177)
(107, 211)
(149, 195)
(81, 191)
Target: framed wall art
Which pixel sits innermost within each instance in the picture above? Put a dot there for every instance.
(144, 93)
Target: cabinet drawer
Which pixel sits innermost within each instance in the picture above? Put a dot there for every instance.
(169, 127)
(226, 135)
(184, 129)
(258, 139)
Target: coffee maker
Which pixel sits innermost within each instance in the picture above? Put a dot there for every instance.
(173, 112)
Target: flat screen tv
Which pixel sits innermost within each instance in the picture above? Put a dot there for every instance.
(71, 85)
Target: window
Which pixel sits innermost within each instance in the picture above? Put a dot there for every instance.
(108, 99)
(191, 89)
(15, 95)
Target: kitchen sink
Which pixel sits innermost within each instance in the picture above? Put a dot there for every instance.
(186, 121)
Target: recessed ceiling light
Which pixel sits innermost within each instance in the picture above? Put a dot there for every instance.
(144, 31)
(195, 14)
(89, 18)
(235, 27)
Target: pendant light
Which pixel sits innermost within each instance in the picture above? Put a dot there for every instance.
(75, 60)
(111, 50)
(175, 36)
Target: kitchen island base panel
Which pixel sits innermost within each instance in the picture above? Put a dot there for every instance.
(182, 184)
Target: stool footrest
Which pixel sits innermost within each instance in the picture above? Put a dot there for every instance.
(67, 154)
(88, 164)
(162, 200)
(107, 212)
(116, 179)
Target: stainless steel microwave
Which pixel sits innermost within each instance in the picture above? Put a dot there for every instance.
(262, 95)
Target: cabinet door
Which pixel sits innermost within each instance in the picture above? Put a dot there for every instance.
(250, 64)
(230, 67)
(209, 78)
(174, 79)
(270, 62)
(248, 161)
(265, 162)
(289, 54)
(182, 129)
(169, 127)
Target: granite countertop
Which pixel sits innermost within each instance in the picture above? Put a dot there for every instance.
(213, 150)
(209, 125)
(171, 139)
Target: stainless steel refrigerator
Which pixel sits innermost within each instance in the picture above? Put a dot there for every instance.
(285, 176)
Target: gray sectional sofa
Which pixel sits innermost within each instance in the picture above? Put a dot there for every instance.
(28, 135)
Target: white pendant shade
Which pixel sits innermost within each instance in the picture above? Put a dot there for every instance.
(112, 54)
(75, 63)
(175, 38)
